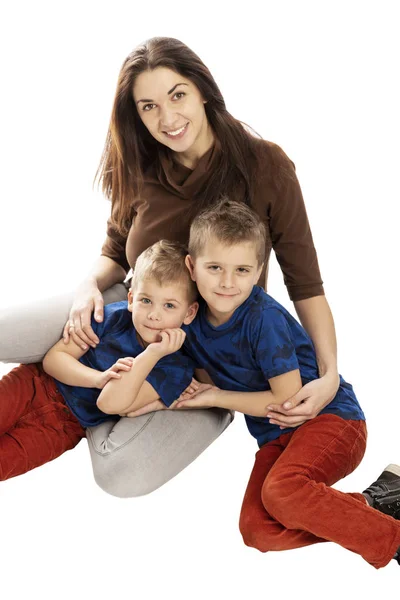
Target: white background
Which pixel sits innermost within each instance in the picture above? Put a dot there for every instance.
(318, 78)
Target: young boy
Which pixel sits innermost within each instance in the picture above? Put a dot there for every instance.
(44, 409)
(258, 354)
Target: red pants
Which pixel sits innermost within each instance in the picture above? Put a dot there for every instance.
(36, 426)
(289, 502)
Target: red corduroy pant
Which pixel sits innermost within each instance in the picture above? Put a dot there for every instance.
(289, 501)
(36, 426)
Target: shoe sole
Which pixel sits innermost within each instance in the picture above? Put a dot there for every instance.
(395, 469)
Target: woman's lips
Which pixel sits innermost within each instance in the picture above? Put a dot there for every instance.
(176, 136)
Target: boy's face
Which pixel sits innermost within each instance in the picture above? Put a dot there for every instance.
(156, 307)
(225, 276)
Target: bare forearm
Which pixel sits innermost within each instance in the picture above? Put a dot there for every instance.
(316, 318)
(249, 403)
(120, 395)
(67, 369)
(105, 273)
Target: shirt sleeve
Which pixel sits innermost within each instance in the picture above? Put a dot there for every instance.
(114, 245)
(275, 352)
(289, 227)
(171, 376)
(116, 317)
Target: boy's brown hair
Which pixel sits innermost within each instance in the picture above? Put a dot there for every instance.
(164, 262)
(230, 223)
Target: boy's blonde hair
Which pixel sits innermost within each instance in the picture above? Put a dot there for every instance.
(164, 262)
(230, 223)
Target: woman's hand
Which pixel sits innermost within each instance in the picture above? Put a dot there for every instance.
(88, 298)
(306, 404)
(122, 364)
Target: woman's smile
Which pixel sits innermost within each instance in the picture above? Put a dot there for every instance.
(177, 133)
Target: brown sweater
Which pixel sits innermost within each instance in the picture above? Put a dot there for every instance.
(161, 212)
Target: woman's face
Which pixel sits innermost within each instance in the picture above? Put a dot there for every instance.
(172, 109)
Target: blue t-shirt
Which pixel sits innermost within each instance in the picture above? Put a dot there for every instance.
(170, 377)
(260, 341)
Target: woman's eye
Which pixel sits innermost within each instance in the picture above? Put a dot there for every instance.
(148, 107)
(179, 95)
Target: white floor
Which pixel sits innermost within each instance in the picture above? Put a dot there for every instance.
(63, 537)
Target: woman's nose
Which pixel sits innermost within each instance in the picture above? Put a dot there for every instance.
(168, 118)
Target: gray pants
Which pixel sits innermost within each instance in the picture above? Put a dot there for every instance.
(130, 457)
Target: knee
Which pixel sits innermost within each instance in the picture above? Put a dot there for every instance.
(281, 497)
(121, 483)
(254, 533)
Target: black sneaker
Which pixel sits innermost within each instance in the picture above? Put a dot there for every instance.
(384, 493)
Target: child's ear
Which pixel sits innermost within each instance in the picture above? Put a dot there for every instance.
(191, 313)
(190, 265)
(130, 300)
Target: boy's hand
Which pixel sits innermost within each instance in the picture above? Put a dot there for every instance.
(122, 364)
(148, 408)
(191, 388)
(157, 405)
(194, 389)
(203, 397)
(171, 341)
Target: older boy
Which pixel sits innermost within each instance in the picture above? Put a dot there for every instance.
(42, 416)
(259, 355)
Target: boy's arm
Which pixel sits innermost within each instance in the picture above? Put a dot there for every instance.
(146, 396)
(122, 395)
(62, 362)
(250, 403)
(148, 399)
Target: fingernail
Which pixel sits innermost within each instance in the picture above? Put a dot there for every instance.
(84, 347)
(269, 416)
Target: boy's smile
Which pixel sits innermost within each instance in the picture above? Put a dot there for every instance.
(225, 276)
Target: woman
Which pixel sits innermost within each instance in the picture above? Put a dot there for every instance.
(172, 148)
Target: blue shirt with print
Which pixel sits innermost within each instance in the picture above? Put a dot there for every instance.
(170, 377)
(260, 341)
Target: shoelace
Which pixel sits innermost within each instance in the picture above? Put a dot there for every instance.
(379, 488)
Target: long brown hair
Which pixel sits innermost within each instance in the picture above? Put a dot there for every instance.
(130, 148)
